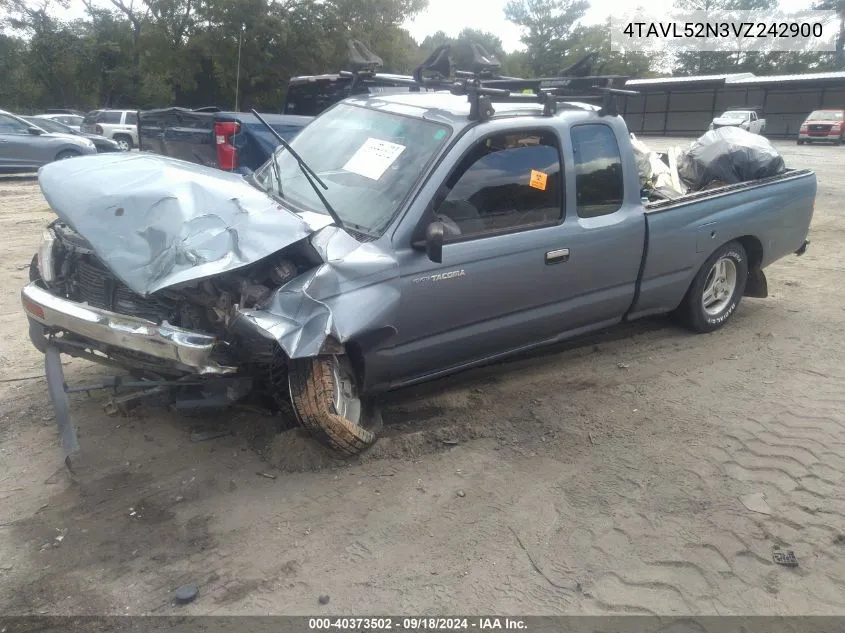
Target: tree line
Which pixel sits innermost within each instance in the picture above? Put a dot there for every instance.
(156, 53)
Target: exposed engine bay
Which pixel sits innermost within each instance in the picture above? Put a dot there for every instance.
(206, 306)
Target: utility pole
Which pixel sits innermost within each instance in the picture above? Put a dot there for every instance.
(238, 75)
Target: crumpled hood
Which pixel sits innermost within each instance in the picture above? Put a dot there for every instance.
(157, 221)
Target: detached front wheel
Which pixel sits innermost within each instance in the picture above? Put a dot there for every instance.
(326, 400)
(716, 290)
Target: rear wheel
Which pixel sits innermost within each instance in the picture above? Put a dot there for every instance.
(123, 141)
(68, 153)
(800, 142)
(325, 397)
(716, 290)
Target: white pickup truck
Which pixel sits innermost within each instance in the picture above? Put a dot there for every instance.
(746, 119)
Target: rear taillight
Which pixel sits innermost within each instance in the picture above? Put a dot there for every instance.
(227, 153)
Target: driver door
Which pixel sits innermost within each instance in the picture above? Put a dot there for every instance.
(498, 287)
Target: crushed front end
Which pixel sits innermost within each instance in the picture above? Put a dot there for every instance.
(176, 344)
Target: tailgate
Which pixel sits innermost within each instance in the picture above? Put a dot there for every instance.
(178, 133)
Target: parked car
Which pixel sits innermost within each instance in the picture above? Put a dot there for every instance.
(746, 119)
(119, 125)
(64, 111)
(406, 237)
(232, 141)
(52, 125)
(25, 147)
(823, 125)
(73, 121)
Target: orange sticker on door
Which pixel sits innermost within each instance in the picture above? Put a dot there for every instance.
(538, 180)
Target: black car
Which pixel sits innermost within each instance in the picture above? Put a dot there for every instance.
(102, 143)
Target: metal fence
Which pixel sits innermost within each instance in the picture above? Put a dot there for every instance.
(688, 111)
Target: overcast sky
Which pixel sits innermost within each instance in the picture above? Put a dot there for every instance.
(452, 16)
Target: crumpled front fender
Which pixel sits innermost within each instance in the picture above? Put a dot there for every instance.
(355, 292)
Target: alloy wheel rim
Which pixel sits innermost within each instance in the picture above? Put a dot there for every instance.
(719, 286)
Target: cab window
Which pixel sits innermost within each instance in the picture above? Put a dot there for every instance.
(507, 182)
(599, 186)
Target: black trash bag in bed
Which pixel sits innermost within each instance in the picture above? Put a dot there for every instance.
(729, 155)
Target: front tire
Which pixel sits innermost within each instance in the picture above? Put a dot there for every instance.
(324, 394)
(716, 290)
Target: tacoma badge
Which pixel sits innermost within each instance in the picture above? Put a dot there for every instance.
(441, 276)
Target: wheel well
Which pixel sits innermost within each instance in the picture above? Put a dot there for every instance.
(356, 358)
(754, 250)
(65, 152)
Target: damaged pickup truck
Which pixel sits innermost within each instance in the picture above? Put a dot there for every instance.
(398, 238)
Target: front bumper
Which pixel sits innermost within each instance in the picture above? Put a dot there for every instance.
(815, 136)
(186, 349)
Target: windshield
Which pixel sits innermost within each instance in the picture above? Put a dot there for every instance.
(49, 125)
(826, 115)
(732, 114)
(368, 159)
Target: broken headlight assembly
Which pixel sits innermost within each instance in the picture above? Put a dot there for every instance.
(46, 256)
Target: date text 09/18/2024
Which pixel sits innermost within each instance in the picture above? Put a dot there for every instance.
(416, 624)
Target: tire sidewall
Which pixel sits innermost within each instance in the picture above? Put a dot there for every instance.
(121, 138)
(706, 322)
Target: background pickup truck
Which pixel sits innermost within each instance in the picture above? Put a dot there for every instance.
(410, 236)
(746, 119)
(232, 141)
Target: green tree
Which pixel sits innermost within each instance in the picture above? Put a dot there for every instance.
(548, 30)
(462, 55)
(596, 39)
(838, 61)
(715, 63)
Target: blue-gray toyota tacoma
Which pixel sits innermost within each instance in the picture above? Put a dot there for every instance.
(398, 238)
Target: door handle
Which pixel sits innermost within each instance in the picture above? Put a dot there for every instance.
(557, 256)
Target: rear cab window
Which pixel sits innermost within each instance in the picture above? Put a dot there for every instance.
(599, 183)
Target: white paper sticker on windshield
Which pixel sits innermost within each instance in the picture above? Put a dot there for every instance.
(373, 158)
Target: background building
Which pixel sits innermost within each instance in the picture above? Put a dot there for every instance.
(684, 106)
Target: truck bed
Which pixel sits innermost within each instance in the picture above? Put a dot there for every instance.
(189, 134)
(665, 205)
(768, 217)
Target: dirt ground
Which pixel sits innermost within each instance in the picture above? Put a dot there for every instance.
(646, 470)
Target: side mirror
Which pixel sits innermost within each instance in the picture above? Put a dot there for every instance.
(434, 233)
(35, 131)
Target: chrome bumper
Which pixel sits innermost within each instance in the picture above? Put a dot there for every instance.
(190, 350)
